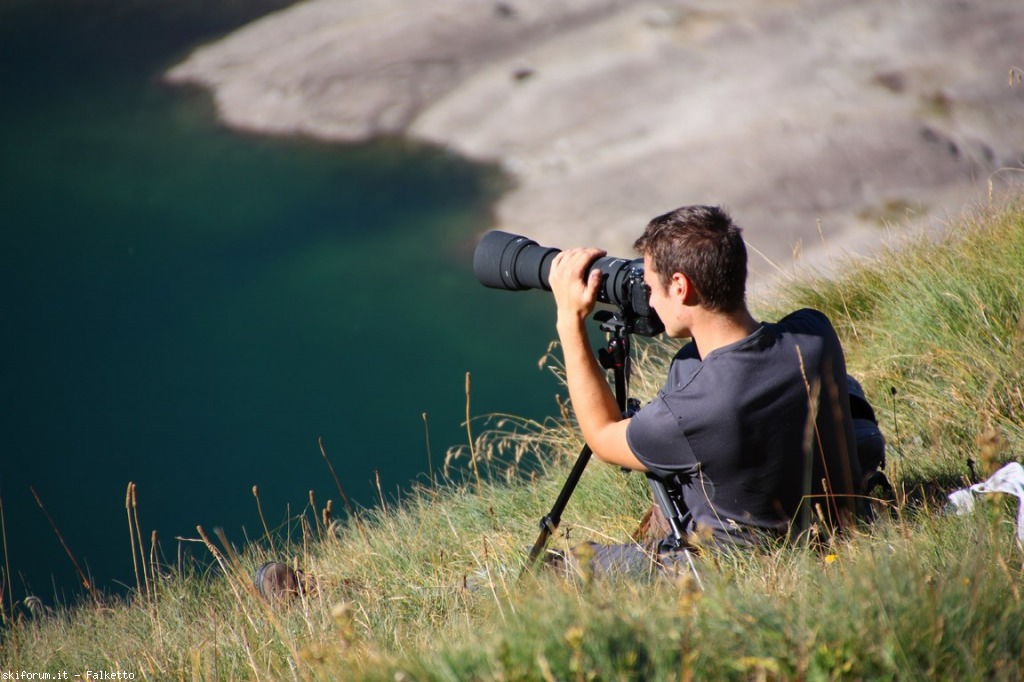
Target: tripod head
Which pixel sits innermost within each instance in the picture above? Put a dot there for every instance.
(627, 321)
(616, 356)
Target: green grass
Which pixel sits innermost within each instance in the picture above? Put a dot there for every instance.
(428, 589)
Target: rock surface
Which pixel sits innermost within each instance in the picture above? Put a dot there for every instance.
(813, 121)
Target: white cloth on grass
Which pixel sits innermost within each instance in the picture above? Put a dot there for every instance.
(1009, 479)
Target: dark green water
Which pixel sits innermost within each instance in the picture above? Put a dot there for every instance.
(192, 309)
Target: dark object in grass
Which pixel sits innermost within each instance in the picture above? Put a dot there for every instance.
(276, 581)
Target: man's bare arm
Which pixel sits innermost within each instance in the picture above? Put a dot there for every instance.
(602, 424)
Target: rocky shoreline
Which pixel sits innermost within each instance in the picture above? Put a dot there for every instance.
(813, 121)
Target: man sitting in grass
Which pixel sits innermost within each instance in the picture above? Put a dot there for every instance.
(753, 421)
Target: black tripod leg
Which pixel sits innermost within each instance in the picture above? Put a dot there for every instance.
(670, 507)
(615, 357)
(669, 510)
(549, 524)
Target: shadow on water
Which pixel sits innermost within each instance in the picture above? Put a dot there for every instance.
(191, 310)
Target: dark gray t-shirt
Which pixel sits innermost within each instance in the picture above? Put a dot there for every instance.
(734, 429)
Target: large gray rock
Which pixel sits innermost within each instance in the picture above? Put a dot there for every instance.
(812, 121)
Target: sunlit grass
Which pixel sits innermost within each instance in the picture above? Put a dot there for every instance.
(428, 587)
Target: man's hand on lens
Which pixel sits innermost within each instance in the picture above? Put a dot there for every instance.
(575, 296)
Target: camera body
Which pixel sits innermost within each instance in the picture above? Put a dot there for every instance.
(508, 261)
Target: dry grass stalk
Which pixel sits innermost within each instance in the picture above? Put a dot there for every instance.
(138, 535)
(316, 514)
(233, 572)
(430, 464)
(380, 492)
(152, 559)
(469, 431)
(7, 569)
(259, 509)
(326, 514)
(341, 491)
(81, 574)
(131, 535)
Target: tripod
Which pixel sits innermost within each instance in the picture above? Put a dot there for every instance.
(615, 357)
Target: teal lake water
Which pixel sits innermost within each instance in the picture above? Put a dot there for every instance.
(192, 309)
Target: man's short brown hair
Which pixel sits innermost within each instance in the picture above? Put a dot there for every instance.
(703, 243)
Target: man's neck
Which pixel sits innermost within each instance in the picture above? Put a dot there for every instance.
(713, 330)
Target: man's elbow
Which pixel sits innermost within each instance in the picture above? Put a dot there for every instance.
(611, 446)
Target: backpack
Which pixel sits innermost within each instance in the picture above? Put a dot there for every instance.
(870, 445)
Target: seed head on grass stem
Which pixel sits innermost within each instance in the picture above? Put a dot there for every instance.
(152, 559)
(259, 508)
(430, 464)
(131, 535)
(469, 431)
(138, 536)
(380, 491)
(326, 514)
(316, 517)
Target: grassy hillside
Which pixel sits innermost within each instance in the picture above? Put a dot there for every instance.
(429, 588)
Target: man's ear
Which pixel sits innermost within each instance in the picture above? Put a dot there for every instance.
(682, 285)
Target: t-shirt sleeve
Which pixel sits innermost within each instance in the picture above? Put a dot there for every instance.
(655, 437)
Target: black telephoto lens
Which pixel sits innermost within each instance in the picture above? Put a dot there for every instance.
(508, 261)
(515, 263)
